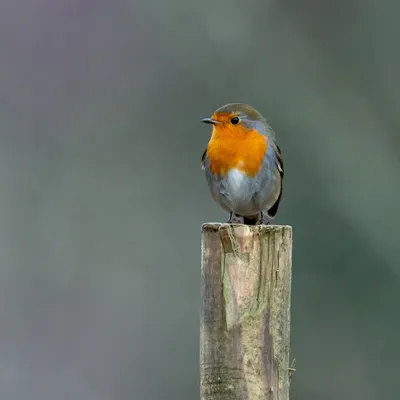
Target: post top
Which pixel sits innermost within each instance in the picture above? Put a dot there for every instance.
(217, 226)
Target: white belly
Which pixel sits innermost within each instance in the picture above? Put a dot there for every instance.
(240, 190)
(236, 183)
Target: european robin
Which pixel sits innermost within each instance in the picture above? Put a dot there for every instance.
(243, 164)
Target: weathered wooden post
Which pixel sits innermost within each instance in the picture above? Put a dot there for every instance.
(245, 316)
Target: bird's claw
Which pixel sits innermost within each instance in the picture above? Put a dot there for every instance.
(239, 219)
(235, 219)
(263, 220)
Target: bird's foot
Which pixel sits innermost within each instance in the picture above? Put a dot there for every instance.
(235, 219)
(263, 219)
(258, 219)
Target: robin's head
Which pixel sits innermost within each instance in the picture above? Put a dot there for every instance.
(239, 118)
(239, 139)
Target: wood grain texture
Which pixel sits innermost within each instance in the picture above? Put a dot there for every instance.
(245, 315)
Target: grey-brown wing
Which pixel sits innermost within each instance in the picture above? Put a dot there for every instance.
(203, 158)
(279, 165)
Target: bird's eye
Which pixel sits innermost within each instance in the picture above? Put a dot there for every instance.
(235, 120)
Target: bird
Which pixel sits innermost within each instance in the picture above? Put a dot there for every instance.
(243, 165)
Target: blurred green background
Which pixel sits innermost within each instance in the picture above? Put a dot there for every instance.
(102, 195)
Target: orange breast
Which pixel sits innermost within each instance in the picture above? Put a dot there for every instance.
(235, 147)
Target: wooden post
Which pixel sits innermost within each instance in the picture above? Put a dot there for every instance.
(245, 316)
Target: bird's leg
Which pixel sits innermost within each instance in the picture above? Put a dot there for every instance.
(258, 219)
(235, 219)
(263, 220)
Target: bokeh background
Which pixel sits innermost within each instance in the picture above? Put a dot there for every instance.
(102, 195)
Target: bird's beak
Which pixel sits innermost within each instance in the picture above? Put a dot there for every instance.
(209, 121)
